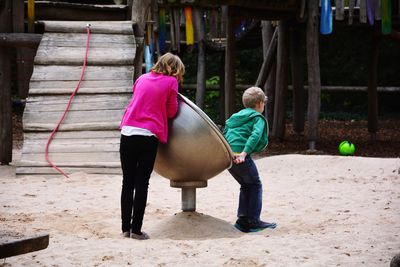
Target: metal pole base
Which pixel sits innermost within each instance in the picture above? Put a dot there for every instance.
(188, 198)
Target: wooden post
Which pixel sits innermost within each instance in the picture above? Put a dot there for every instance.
(282, 69)
(269, 59)
(314, 79)
(297, 78)
(201, 57)
(24, 56)
(139, 15)
(31, 16)
(230, 52)
(269, 86)
(5, 87)
(372, 85)
(222, 90)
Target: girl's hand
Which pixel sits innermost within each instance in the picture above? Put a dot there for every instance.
(240, 158)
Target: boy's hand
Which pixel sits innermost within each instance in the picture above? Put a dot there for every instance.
(240, 158)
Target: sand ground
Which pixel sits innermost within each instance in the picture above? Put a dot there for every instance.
(330, 210)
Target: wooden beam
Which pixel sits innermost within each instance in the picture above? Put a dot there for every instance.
(201, 57)
(20, 40)
(18, 247)
(230, 60)
(269, 59)
(297, 78)
(373, 84)
(259, 4)
(5, 87)
(282, 69)
(314, 79)
(269, 86)
(139, 15)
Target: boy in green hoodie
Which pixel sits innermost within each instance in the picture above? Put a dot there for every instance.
(246, 132)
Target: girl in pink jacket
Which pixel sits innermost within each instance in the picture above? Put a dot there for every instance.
(143, 126)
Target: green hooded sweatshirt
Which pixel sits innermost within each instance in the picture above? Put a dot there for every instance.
(247, 130)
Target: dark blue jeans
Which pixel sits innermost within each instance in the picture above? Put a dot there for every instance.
(138, 154)
(250, 197)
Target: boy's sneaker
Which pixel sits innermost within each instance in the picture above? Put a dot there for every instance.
(260, 225)
(242, 224)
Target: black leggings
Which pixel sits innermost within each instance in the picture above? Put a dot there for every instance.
(137, 154)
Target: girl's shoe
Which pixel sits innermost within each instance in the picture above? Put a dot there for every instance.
(126, 234)
(142, 236)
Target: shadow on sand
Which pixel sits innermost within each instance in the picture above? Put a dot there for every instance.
(193, 225)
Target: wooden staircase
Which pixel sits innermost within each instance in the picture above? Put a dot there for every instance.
(88, 139)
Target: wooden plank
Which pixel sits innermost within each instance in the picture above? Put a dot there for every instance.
(90, 116)
(84, 84)
(69, 159)
(73, 73)
(22, 246)
(84, 90)
(74, 135)
(69, 170)
(109, 27)
(49, 55)
(79, 103)
(72, 146)
(79, 40)
(95, 164)
(88, 126)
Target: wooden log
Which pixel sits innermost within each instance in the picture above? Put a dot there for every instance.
(109, 27)
(50, 171)
(314, 79)
(72, 73)
(98, 40)
(268, 60)
(297, 79)
(269, 86)
(139, 15)
(5, 88)
(230, 58)
(26, 245)
(64, 11)
(372, 85)
(201, 57)
(50, 55)
(221, 89)
(282, 69)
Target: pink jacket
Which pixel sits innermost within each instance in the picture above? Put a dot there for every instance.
(154, 100)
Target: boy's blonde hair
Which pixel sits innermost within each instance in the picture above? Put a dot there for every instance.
(252, 96)
(170, 64)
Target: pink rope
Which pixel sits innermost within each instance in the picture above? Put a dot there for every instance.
(68, 105)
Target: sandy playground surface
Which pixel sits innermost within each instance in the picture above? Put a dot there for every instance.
(330, 210)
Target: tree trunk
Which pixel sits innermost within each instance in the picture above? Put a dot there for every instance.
(5, 87)
(230, 53)
(314, 79)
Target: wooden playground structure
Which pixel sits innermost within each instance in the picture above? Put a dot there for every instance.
(54, 56)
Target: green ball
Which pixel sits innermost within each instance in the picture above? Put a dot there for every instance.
(347, 148)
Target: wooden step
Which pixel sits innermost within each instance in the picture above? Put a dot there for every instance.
(109, 27)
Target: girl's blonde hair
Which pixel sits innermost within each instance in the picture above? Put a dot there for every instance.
(252, 96)
(170, 64)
